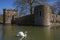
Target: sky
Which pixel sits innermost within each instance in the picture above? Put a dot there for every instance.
(6, 4)
(9, 4)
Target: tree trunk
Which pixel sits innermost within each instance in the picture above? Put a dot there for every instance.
(30, 9)
(31, 2)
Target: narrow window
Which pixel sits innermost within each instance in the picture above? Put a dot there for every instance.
(40, 13)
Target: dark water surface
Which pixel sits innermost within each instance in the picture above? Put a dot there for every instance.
(9, 32)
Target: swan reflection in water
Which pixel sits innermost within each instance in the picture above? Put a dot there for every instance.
(22, 34)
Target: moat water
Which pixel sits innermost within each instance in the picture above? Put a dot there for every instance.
(9, 32)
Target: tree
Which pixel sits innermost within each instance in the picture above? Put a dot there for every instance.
(28, 4)
(58, 12)
(56, 6)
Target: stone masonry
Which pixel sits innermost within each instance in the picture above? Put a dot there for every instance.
(9, 15)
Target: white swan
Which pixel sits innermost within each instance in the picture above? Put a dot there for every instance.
(24, 35)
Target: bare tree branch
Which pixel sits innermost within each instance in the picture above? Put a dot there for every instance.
(28, 4)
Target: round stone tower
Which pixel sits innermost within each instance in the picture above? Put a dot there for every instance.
(42, 14)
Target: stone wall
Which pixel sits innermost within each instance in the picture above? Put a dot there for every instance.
(41, 16)
(54, 18)
(58, 18)
(25, 20)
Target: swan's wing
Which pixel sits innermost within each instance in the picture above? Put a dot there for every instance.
(21, 33)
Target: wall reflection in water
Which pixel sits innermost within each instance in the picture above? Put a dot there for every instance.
(48, 33)
(1, 32)
(34, 33)
(9, 32)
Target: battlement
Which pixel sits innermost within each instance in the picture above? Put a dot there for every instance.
(10, 9)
